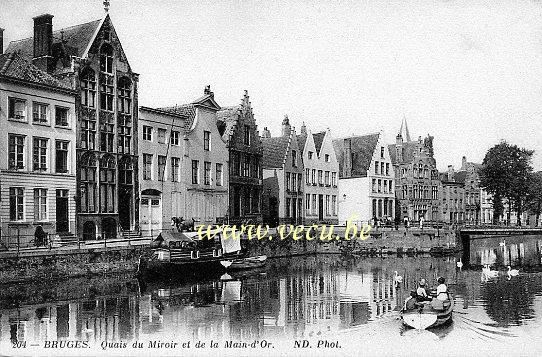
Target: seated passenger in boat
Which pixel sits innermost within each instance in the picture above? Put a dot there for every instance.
(422, 292)
(442, 289)
(412, 302)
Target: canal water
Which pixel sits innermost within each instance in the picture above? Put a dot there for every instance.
(353, 303)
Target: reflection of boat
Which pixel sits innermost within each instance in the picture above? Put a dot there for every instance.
(440, 251)
(426, 316)
(244, 263)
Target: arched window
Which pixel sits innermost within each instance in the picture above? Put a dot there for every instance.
(88, 88)
(426, 172)
(107, 184)
(88, 183)
(106, 59)
(124, 98)
(125, 171)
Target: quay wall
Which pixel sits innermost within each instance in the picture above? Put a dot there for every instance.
(55, 264)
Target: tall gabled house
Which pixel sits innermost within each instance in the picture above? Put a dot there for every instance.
(366, 179)
(321, 176)
(238, 128)
(91, 57)
(282, 198)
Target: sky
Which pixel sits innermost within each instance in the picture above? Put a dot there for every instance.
(467, 72)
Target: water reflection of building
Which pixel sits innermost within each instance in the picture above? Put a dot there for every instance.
(507, 250)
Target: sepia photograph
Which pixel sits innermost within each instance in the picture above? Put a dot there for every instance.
(270, 178)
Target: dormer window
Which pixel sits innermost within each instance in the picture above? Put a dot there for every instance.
(106, 59)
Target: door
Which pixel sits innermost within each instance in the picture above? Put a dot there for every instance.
(125, 207)
(320, 207)
(151, 215)
(62, 220)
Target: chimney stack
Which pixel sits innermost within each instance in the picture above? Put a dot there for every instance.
(266, 133)
(1, 41)
(347, 169)
(464, 163)
(303, 129)
(450, 173)
(43, 42)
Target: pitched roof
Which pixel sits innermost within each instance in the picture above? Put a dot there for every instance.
(362, 149)
(408, 148)
(227, 118)
(187, 110)
(76, 40)
(301, 140)
(460, 176)
(318, 140)
(274, 151)
(14, 66)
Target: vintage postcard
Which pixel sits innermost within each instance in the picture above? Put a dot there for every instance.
(269, 178)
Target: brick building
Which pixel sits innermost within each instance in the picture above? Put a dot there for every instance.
(239, 130)
(91, 57)
(416, 177)
(452, 194)
(282, 197)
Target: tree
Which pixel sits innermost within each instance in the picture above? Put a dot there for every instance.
(505, 175)
(534, 200)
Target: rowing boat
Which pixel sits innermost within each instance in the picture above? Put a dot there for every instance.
(427, 315)
(244, 263)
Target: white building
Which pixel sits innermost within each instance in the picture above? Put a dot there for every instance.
(37, 165)
(321, 177)
(366, 178)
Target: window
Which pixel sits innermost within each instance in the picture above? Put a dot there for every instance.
(218, 174)
(334, 179)
(147, 166)
(61, 116)
(382, 168)
(16, 205)
(326, 157)
(124, 134)
(161, 167)
(61, 156)
(390, 188)
(107, 184)
(308, 202)
(314, 202)
(161, 136)
(320, 177)
(334, 205)
(40, 204)
(374, 185)
(16, 152)
(327, 205)
(247, 135)
(107, 137)
(287, 181)
(175, 167)
(125, 171)
(106, 59)
(39, 154)
(147, 133)
(17, 108)
(195, 171)
(106, 93)
(379, 185)
(294, 158)
(310, 155)
(288, 204)
(376, 167)
(206, 140)
(299, 182)
(39, 113)
(175, 137)
(307, 176)
(124, 99)
(387, 169)
(88, 184)
(294, 180)
(313, 176)
(246, 166)
(88, 134)
(326, 178)
(88, 88)
(381, 152)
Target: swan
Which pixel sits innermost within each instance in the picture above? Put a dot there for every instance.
(512, 272)
(491, 273)
(459, 264)
(397, 279)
